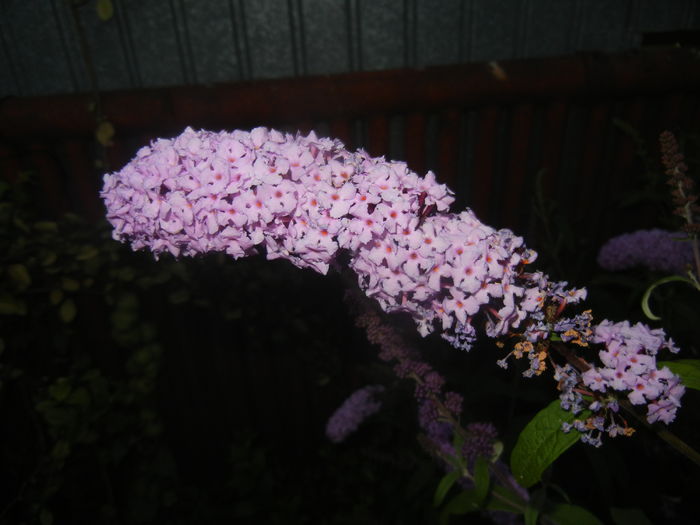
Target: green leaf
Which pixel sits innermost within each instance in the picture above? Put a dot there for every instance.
(565, 514)
(79, 397)
(10, 305)
(67, 311)
(46, 226)
(45, 517)
(70, 285)
(541, 442)
(687, 369)
(20, 276)
(462, 503)
(105, 9)
(647, 294)
(444, 486)
(482, 480)
(629, 516)
(60, 390)
(497, 451)
(21, 225)
(56, 296)
(86, 252)
(60, 450)
(531, 515)
(470, 500)
(49, 259)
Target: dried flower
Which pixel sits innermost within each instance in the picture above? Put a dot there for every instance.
(681, 185)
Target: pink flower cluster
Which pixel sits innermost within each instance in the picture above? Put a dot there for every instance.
(629, 368)
(629, 361)
(305, 198)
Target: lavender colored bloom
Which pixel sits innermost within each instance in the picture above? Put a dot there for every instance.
(628, 368)
(655, 249)
(482, 437)
(629, 360)
(306, 198)
(354, 410)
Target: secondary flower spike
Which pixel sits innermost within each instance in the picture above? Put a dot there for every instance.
(656, 249)
(305, 198)
(361, 404)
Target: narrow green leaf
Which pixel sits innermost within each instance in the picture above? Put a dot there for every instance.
(49, 259)
(46, 226)
(565, 514)
(481, 479)
(629, 516)
(457, 460)
(20, 276)
(541, 442)
(497, 451)
(86, 252)
(444, 486)
(67, 311)
(531, 515)
(21, 225)
(647, 294)
(462, 503)
(687, 369)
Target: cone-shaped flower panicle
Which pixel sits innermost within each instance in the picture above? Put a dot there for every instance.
(304, 199)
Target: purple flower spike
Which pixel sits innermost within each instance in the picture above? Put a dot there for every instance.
(657, 250)
(354, 410)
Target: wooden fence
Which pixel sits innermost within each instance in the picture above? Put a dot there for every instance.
(485, 129)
